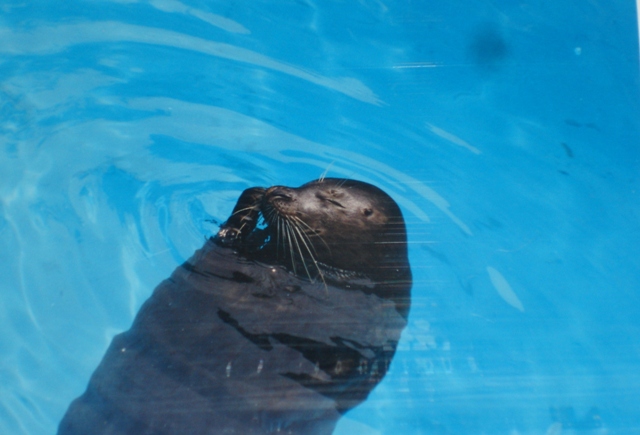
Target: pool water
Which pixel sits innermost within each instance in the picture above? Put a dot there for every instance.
(508, 132)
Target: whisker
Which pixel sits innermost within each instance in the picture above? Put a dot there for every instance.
(310, 255)
(282, 236)
(303, 235)
(297, 219)
(251, 207)
(278, 233)
(295, 233)
(295, 239)
(324, 174)
(288, 232)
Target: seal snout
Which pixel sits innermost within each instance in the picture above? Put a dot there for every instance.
(280, 193)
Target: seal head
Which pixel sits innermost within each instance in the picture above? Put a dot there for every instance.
(332, 229)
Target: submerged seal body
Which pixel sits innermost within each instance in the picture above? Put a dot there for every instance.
(282, 322)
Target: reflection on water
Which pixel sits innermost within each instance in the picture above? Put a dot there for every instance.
(129, 128)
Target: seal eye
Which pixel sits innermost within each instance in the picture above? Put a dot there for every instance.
(332, 201)
(368, 212)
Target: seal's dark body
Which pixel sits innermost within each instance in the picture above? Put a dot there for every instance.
(232, 345)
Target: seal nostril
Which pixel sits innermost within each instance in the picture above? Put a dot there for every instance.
(280, 196)
(278, 192)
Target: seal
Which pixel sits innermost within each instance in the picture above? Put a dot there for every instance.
(281, 323)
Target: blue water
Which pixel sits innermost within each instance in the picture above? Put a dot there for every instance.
(509, 133)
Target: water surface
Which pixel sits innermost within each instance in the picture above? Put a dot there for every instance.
(508, 133)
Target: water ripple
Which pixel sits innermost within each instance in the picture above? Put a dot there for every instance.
(54, 39)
